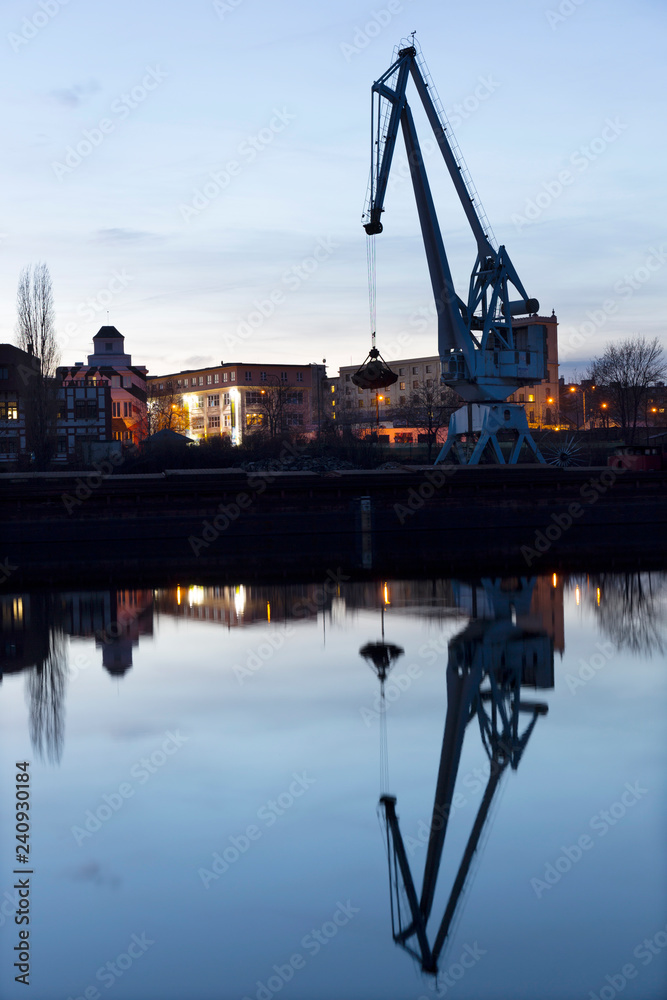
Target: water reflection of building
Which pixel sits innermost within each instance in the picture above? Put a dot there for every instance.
(239, 605)
(24, 632)
(114, 618)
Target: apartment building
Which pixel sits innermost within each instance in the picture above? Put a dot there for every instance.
(235, 399)
(110, 365)
(16, 368)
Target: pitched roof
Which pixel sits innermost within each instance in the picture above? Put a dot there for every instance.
(108, 332)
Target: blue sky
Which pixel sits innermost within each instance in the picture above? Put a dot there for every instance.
(216, 207)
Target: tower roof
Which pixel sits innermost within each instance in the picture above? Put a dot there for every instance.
(108, 333)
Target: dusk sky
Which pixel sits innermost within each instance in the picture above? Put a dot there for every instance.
(119, 117)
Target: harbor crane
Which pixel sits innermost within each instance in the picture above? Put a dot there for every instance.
(483, 357)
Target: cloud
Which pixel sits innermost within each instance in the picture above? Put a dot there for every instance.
(74, 96)
(121, 235)
(199, 361)
(93, 872)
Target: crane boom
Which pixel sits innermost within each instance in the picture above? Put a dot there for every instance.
(482, 357)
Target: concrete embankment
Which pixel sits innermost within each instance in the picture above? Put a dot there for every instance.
(80, 527)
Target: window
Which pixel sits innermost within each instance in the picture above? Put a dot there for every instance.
(294, 419)
(248, 376)
(161, 385)
(299, 376)
(402, 400)
(170, 384)
(62, 445)
(531, 416)
(360, 404)
(233, 378)
(401, 371)
(415, 384)
(127, 381)
(429, 368)
(9, 446)
(209, 380)
(225, 399)
(214, 421)
(86, 409)
(401, 385)
(294, 398)
(200, 403)
(347, 378)
(4, 373)
(9, 411)
(262, 376)
(186, 382)
(387, 400)
(115, 381)
(213, 400)
(415, 370)
(228, 420)
(198, 423)
(178, 383)
(216, 377)
(254, 398)
(283, 376)
(531, 397)
(224, 376)
(126, 410)
(254, 419)
(201, 379)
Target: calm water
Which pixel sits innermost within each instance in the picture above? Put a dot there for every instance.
(207, 766)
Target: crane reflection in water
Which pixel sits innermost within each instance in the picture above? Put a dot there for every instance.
(499, 652)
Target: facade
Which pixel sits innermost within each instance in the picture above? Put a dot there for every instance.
(110, 366)
(84, 417)
(235, 399)
(16, 367)
(359, 407)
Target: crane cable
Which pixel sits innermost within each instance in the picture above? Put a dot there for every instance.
(372, 283)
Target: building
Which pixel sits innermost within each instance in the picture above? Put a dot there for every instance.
(84, 418)
(364, 408)
(235, 399)
(16, 369)
(110, 366)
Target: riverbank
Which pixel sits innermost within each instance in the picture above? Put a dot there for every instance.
(76, 527)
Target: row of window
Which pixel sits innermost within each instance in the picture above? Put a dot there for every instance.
(402, 371)
(214, 379)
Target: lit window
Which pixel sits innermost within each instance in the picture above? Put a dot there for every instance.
(531, 397)
(401, 385)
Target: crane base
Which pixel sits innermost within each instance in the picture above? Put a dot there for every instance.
(473, 432)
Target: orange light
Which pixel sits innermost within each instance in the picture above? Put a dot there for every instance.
(554, 580)
(598, 596)
(577, 596)
(604, 406)
(386, 594)
(549, 400)
(572, 389)
(178, 595)
(268, 612)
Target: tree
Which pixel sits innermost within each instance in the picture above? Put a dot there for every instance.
(273, 404)
(626, 371)
(165, 410)
(429, 408)
(35, 334)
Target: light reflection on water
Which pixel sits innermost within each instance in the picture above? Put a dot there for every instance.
(216, 770)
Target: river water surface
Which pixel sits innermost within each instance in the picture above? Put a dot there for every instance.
(389, 789)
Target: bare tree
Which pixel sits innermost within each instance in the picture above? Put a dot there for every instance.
(46, 694)
(428, 408)
(626, 371)
(36, 334)
(273, 404)
(165, 410)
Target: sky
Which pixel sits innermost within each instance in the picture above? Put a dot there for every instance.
(199, 171)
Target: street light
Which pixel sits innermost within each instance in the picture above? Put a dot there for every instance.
(377, 412)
